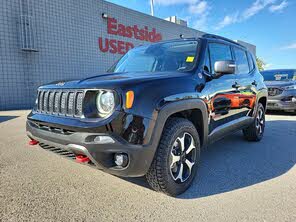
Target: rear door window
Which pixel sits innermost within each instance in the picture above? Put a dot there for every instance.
(241, 61)
(251, 61)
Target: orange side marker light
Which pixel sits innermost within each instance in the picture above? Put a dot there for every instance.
(129, 99)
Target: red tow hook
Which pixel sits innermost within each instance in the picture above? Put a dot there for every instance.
(82, 159)
(33, 142)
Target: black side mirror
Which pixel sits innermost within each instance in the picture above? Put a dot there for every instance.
(225, 67)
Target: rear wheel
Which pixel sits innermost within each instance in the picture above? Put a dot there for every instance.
(256, 130)
(176, 159)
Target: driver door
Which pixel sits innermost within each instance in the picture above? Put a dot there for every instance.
(219, 92)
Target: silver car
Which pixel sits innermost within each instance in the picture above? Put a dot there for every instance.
(281, 86)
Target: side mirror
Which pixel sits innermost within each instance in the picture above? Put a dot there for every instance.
(225, 67)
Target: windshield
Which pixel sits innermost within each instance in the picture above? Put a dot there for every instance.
(279, 75)
(159, 57)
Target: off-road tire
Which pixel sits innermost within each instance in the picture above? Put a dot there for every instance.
(159, 175)
(252, 133)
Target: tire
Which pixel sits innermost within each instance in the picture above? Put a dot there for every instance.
(164, 173)
(256, 130)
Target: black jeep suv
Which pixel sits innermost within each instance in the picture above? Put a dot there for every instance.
(154, 111)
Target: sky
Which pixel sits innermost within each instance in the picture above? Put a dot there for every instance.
(268, 24)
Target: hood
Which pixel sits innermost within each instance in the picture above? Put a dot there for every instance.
(114, 80)
(280, 83)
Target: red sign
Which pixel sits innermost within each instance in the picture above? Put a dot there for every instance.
(121, 47)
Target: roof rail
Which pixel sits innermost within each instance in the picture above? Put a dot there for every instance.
(220, 37)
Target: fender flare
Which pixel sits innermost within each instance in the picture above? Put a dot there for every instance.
(262, 93)
(160, 117)
(170, 108)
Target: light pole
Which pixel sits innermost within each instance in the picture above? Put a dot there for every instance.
(152, 7)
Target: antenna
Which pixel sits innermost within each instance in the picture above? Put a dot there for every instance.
(152, 7)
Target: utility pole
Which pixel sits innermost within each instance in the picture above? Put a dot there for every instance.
(152, 7)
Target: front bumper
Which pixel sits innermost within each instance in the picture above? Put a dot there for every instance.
(285, 101)
(280, 105)
(101, 155)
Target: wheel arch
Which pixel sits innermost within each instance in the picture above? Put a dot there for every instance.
(262, 97)
(196, 117)
(263, 101)
(193, 109)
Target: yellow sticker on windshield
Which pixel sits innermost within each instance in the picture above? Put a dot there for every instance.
(190, 59)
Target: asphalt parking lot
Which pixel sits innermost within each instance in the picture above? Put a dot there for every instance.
(237, 181)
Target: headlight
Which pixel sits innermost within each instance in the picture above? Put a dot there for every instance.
(291, 87)
(105, 102)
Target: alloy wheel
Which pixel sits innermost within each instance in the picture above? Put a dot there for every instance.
(260, 121)
(182, 158)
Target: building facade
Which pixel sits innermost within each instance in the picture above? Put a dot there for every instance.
(47, 40)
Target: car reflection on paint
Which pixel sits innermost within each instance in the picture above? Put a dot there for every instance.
(225, 102)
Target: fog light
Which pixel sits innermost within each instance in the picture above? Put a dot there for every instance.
(121, 159)
(103, 139)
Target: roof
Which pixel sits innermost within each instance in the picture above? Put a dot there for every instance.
(205, 36)
(212, 36)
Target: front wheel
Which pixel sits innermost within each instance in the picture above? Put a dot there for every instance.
(256, 130)
(177, 157)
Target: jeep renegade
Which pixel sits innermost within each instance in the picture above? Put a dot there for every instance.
(154, 110)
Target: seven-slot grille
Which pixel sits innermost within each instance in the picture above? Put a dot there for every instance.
(60, 102)
(273, 91)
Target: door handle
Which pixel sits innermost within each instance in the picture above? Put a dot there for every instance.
(236, 85)
(254, 83)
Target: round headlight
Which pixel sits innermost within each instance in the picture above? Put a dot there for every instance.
(105, 102)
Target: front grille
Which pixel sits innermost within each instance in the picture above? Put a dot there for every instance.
(60, 102)
(274, 91)
(50, 128)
